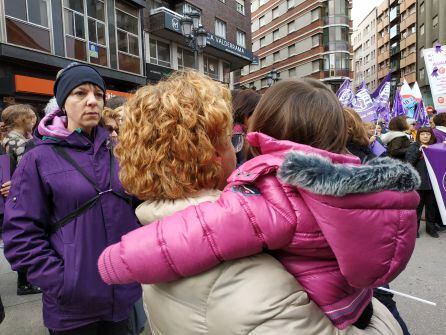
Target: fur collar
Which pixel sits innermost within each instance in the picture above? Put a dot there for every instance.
(319, 175)
(391, 135)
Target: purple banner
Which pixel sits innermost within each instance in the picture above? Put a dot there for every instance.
(363, 104)
(381, 98)
(377, 148)
(435, 156)
(345, 93)
(421, 116)
(398, 108)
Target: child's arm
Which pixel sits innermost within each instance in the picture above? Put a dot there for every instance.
(196, 239)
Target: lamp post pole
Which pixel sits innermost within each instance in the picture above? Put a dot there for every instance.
(194, 33)
(272, 77)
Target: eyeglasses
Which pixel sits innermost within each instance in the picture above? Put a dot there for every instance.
(111, 129)
(237, 140)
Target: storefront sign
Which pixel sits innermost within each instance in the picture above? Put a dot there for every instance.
(435, 59)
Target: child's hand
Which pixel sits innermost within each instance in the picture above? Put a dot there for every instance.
(4, 190)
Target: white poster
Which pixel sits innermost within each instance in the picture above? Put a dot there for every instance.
(435, 60)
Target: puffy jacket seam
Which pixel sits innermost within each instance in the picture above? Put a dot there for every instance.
(208, 233)
(257, 230)
(163, 245)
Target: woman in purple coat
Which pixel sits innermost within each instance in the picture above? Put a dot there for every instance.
(66, 205)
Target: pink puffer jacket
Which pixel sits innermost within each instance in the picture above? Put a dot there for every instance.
(339, 227)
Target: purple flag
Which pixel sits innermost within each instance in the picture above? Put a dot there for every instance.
(381, 98)
(397, 109)
(435, 156)
(363, 104)
(345, 93)
(420, 115)
(377, 148)
(5, 175)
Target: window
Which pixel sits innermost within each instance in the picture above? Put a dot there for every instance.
(85, 32)
(263, 83)
(422, 29)
(211, 67)
(422, 7)
(421, 74)
(226, 72)
(127, 31)
(275, 34)
(291, 50)
(220, 28)
(240, 5)
(27, 23)
(316, 65)
(276, 56)
(262, 21)
(290, 4)
(262, 41)
(292, 72)
(435, 22)
(241, 37)
(185, 58)
(315, 15)
(275, 12)
(291, 27)
(160, 54)
(262, 62)
(315, 40)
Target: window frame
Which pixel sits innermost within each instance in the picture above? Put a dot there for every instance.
(32, 24)
(241, 33)
(223, 24)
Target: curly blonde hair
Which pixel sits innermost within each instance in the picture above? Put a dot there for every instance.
(167, 144)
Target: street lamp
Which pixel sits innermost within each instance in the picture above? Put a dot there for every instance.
(194, 33)
(272, 77)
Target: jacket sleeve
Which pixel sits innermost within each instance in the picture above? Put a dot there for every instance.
(413, 154)
(26, 243)
(196, 239)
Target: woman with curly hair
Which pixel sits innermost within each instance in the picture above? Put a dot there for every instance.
(358, 141)
(319, 215)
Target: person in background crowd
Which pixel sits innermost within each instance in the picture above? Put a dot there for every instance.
(110, 121)
(378, 130)
(414, 156)
(19, 121)
(115, 102)
(431, 121)
(412, 132)
(257, 210)
(358, 142)
(396, 139)
(65, 206)
(243, 104)
(440, 127)
(373, 132)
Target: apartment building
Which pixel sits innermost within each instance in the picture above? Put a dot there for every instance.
(397, 38)
(431, 21)
(300, 38)
(228, 50)
(39, 37)
(365, 62)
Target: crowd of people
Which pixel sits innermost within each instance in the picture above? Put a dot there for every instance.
(210, 211)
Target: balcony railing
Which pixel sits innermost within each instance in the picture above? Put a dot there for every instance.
(336, 19)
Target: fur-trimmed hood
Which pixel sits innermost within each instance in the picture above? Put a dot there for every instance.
(319, 175)
(391, 135)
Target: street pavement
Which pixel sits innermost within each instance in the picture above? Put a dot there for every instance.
(424, 277)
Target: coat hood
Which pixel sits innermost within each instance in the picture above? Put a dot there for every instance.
(54, 125)
(391, 135)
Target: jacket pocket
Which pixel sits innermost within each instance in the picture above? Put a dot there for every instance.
(69, 275)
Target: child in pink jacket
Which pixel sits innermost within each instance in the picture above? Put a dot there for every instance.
(340, 228)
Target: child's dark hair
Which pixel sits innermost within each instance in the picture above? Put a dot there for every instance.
(426, 130)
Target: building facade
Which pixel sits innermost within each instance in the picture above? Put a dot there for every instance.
(300, 38)
(39, 37)
(397, 39)
(431, 21)
(365, 62)
(227, 23)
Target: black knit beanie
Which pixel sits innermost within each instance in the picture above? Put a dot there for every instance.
(73, 76)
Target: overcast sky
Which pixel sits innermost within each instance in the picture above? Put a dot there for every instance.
(361, 8)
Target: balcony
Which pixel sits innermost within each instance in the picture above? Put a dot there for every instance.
(406, 4)
(394, 14)
(410, 78)
(382, 57)
(394, 50)
(382, 73)
(336, 19)
(380, 26)
(410, 59)
(410, 20)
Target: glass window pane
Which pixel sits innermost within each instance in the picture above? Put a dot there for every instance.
(27, 35)
(95, 9)
(69, 22)
(101, 33)
(122, 41)
(188, 58)
(133, 45)
(38, 12)
(75, 4)
(79, 25)
(163, 53)
(153, 49)
(129, 63)
(92, 31)
(126, 8)
(75, 48)
(16, 8)
(127, 22)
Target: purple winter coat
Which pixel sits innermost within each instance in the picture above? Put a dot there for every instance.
(45, 188)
